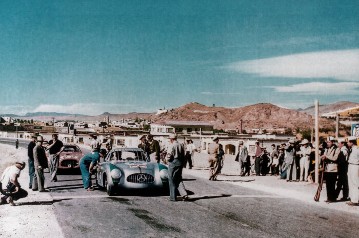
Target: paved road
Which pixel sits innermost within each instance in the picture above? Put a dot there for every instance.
(218, 209)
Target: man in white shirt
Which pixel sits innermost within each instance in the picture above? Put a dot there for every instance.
(10, 186)
(353, 171)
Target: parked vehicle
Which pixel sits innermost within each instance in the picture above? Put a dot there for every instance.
(70, 157)
(130, 168)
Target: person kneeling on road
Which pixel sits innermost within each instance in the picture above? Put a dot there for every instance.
(9, 184)
(87, 164)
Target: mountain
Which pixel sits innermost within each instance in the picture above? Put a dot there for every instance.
(329, 107)
(263, 115)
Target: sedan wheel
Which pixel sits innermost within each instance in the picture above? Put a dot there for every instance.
(109, 188)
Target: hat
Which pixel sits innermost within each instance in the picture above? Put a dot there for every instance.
(240, 142)
(103, 152)
(352, 138)
(331, 138)
(172, 136)
(20, 162)
(342, 140)
(291, 141)
(305, 141)
(149, 136)
(39, 139)
(142, 137)
(215, 138)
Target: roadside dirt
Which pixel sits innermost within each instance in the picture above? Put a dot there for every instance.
(28, 218)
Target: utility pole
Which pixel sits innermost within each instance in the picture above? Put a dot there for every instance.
(337, 127)
(316, 141)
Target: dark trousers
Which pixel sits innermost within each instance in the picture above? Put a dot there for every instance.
(330, 181)
(342, 183)
(174, 179)
(257, 165)
(187, 159)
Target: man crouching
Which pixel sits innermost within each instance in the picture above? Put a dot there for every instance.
(10, 186)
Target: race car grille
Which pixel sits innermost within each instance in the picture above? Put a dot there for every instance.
(69, 163)
(140, 178)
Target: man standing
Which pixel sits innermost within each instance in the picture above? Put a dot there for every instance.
(154, 148)
(175, 158)
(330, 157)
(144, 145)
(258, 157)
(242, 158)
(10, 185)
(30, 154)
(289, 160)
(304, 154)
(353, 171)
(55, 147)
(190, 149)
(40, 162)
(213, 151)
(343, 170)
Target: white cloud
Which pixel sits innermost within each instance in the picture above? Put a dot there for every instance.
(342, 88)
(340, 65)
(84, 108)
(214, 93)
(15, 109)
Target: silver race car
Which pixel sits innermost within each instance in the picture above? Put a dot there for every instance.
(130, 168)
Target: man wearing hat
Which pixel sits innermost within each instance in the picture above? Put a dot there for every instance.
(30, 154)
(342, 184)
(330, 158)
(175, 158)
(213, 151)
(9, 184)
(154, 148)
(304, 154)
(40, 162)
(289, 161)
(243, 159)
(190, 149)
(144, 145)
(353, 171)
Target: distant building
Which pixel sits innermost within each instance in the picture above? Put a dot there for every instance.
(181, 127)
(161, 111)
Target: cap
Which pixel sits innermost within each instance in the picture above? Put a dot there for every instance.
(241, 142)
(143, 137)
(103, 152)
(304, 142)
(172, 136)
(20, 162)
(291, 141)
(342, 140)
(39, 139)
(215, 138)
(352, 138)
(331, 138)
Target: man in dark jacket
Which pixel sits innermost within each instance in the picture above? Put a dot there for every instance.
(30, 155)
(40, 162)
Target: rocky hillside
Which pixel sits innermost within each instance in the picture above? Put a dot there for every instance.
(263, 115)
(330, 107)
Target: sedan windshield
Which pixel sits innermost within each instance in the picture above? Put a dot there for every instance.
(127, 156)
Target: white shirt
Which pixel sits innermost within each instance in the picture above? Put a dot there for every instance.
(9, 174)
(354, 155)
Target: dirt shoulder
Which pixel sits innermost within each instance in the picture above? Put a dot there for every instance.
(34, 214)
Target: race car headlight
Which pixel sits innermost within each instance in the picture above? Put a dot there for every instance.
(115, 174)
(164, 174)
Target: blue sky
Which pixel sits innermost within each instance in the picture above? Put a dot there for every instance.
(124, 56)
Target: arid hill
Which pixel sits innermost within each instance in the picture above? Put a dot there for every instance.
(263, 116)
(330, 107)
